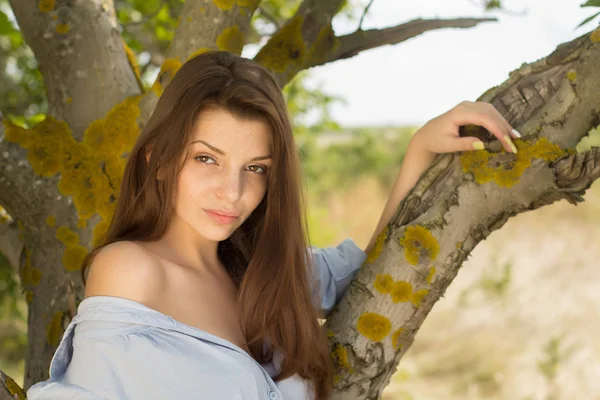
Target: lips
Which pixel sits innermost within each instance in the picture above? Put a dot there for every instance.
(222, 217)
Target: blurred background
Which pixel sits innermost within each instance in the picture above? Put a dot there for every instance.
(522, 319)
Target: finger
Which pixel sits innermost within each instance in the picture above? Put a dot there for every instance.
(469, 144)
(486, 115)
(493, 125)
(511, 131)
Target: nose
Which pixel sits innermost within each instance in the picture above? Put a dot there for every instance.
(230, 187)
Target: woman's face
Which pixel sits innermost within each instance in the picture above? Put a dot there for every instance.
(225, 175)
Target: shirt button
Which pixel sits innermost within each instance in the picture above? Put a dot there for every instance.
(273, 395)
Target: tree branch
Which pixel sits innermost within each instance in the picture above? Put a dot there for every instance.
(302, 38)
(23, 194)
(9, 390)
(10, 244)
(203, 25)
(458, 202)
(364, 14)
(354, 43)
(79, 50)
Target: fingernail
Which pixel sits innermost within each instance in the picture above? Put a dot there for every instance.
(510, 142)
(516, 132)
(478, 145)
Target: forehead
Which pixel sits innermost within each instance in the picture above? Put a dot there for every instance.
(222, 127)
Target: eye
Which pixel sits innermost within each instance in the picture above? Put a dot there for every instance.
(259, 169)
(204, 159)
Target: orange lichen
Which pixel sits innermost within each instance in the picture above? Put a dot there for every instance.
(384, 283)
(285, 48)
(401, 291)
(484, 167)
(54, 330)
(46, 5)
(376, 250)
(419, 244)
(373, 326)
(231, 40)
(167, 71)
(395, 337)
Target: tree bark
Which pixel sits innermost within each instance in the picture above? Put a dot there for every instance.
(60, 179)
(458, 202)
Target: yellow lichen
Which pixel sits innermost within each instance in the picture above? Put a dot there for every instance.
(62, 28)
(51, 221)
(373, 326)
(99, 232)
(4, 217)
(250, 4)
(417, 297)
(21, 228)
(54, 330)
(384, 283)
(376, 250)
(485, 169)
(571, 75)
(167, 71)
(201, 50)
(224, 4)
(74, 252)
(46, 5)
(285, 48)
(14, 389)
(325, 44)
(340, 356)
(418, 244)
(69, 100)
(29, 296)
(430, 275)
(132, 59)
(91, 170)
(395, 337)
(401, 291)
(30, 275)
(595, 36)
(231, 40)
(330, 333)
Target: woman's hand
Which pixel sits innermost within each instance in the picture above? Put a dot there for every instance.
(440, 135)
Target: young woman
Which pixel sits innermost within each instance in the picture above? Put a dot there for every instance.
(206, 286)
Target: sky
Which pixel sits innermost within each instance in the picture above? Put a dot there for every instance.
(418, 79)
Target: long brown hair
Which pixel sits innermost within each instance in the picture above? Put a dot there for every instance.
(267, 255)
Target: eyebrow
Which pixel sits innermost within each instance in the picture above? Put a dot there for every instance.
(221, 152)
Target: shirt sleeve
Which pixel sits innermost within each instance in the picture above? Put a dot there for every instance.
(334, 268)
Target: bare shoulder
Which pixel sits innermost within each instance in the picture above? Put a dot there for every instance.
(125, 269)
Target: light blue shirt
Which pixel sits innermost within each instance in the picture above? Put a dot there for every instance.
(119, 349)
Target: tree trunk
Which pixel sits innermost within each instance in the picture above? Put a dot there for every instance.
(61, 178)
